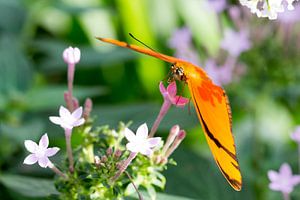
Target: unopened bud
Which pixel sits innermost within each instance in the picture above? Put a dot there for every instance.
(172, 135)
(118, 153)
(181, 135)
(88, 105)
(75, 103)
(109, 151)
(97, 161)
(164, 160)
(104, 159)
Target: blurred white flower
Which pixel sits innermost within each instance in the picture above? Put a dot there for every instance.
(268, 8)
(284, 180)
(140, 143)
(296, 135)
(240, 39)
(68, 120)
(40, 152)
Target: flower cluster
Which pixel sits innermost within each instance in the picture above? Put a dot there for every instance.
(268, 8)
(105, 166)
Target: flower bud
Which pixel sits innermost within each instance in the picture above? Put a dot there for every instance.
(71, 55)
(97, 161)
(181, 135)
(75, 103)
(172, 135)
(104, 159)
(87, 108)
(109, 151)
(118, 153)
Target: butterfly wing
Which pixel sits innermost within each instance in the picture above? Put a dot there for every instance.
(213, 110)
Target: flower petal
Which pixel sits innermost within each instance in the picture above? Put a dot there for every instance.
(162, 88)
(132, 147)
(181, 101)
(285, 170)
(78, 122)
(152, 142)
(273, 175)
(66, 125)
(44, 141)
(295, 180)
(77, 113)
(51, 151)
(130, 136)
(172, 89)
(142, 131)
(43, 161)
(146, 151)
(31, 146)
(55, 120)
(30, 159)
(64, 113)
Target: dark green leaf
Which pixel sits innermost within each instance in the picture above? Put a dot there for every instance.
(28, 186)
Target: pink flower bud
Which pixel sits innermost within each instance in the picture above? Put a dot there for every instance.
(172, 135)
(109, 151)
(118, 153)
(71, 55)
(75, 103)
(104, 159)
(181, 135)
(87, 108)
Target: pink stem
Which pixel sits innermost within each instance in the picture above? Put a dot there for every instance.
(57, 171)
(285, 196)
(163, 111)
(124, 166)
(71, 70)
(68, 133)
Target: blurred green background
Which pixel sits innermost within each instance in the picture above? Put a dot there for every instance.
(123, 85)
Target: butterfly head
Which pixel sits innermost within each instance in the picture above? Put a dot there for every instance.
(177, 73)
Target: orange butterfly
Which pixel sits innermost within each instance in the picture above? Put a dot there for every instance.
(212, 107)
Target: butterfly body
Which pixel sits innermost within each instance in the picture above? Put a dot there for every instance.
(212, 108)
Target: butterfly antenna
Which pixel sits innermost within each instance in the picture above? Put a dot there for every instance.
(141, 42)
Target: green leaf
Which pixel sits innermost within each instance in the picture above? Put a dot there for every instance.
(12, 16)
(198, 177)
(28, 186)
(52, 96)
(31, 129)
(15, 71)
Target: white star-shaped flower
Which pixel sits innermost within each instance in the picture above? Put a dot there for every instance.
(40, 152)
(68, 120)
(140, 143)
